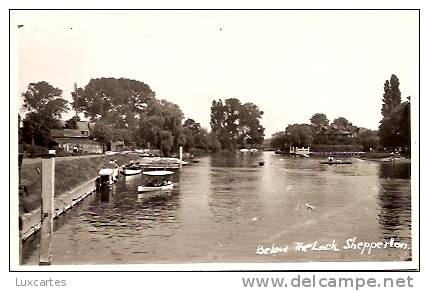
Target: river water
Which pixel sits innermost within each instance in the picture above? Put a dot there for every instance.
(226, 206)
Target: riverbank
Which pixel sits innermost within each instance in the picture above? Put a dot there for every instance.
(69, 174)
(385, 157)
(69, 188)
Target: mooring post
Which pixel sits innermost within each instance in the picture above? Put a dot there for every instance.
(47, 209)
(21, 198)
(181, 155)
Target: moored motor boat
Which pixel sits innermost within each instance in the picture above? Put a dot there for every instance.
(132, 168)
(157, 181)
(167, 186)
(104, 180)
(131, 171)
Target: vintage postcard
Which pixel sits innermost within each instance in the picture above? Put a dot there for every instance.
(214, 140)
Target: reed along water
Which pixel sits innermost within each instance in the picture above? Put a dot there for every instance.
(227, 208)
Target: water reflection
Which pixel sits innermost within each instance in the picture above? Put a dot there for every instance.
(236, 159)
(394, 198)
(235, 178)
(395, 170)
(105, 196)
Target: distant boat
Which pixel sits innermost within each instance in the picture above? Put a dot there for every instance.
(261, 163)
(132, 168)
(244, 150)
(157, 181)
(332, 161)
(253, 150)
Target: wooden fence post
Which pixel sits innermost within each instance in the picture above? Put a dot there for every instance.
(47, 209)
(181, 155)
(20, 197)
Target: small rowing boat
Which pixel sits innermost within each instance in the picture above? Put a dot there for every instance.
(339, 162)
(132, 168)
(332, 161)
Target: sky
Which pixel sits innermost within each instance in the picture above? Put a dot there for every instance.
(291, 64)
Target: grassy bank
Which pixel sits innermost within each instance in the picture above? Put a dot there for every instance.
(68, 175)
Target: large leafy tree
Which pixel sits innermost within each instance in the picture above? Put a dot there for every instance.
(103, 132)
(218, 122)
(299, 135)
(160, 116)
(45, 100)
(278, 141)
(72, 122)
(251, 132)
(44, 106)
(149, 131)
(120, 103)
(368, 139)
(318, 120)
(390, 110)
(232, 109)
(404, 129)
(119, 99)
(172, 117)
(213, 143)
(167, 142)
(342, 123)
(195, 136)
(236, 124)
(131, 111)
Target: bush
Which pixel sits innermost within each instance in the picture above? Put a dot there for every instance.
(32, 151)
(59, 152)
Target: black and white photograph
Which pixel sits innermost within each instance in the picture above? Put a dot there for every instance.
(215, 139)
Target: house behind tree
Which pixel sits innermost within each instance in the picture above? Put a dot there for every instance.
(77, 140)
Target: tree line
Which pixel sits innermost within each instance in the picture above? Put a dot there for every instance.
(394, 130)
(128, 110)
(320, 133)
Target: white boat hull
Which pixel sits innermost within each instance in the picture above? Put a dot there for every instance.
(129, 172)
(150, 189)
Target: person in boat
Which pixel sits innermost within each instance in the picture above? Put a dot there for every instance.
(114, 163)
(154, 183)
(330, 159)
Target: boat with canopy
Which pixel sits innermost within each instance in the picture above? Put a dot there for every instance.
(156, 181)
